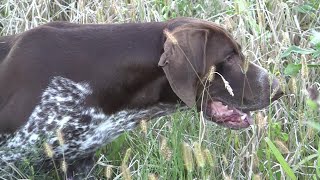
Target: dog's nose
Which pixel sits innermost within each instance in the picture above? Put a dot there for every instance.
(276, 87)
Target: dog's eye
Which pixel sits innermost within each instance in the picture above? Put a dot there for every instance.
(229, 58)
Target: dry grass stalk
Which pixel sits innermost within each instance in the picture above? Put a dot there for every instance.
(170, 36)
(255, 161)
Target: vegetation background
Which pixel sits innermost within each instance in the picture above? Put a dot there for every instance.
(281, 35)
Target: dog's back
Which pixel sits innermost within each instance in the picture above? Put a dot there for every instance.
(28, 61)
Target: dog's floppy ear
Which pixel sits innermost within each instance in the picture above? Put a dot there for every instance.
(183, 60)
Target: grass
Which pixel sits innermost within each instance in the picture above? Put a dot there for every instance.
(284, 143)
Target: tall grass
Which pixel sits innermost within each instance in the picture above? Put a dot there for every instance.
(284, 143)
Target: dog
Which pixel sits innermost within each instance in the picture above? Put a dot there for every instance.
(91, 82)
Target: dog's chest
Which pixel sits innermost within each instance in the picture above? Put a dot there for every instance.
(68, 126)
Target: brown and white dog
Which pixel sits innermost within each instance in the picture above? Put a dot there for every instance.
(93, 82)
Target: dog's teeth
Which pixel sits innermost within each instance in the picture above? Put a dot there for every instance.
(229, 112)
(243, 117)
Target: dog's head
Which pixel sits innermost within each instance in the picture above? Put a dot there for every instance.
(205, 67)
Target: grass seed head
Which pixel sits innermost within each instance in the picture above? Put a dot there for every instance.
(48, 150)
(211, 73)
(125, 172)
(164, 149)
(227, 177)
(108, 172)
(256, 177)
(144, 127)
(246, 65)
(209, 157)
(304, 68)
(198, 155)
(225, 160)
(282, 147)
(310, 133)
(261, 120)
(64, 166)
(293, 85)
(152, 176)
(127, 156)
(60, 136)
(187, 157)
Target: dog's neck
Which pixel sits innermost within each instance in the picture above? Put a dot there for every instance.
(137, 82)
(144, 90)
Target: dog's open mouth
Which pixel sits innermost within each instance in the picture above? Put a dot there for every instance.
(227, 116)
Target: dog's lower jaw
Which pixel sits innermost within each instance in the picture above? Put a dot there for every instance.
(227, 116)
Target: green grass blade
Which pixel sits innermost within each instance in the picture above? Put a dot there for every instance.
(298, 50)
(305, 160)
(280, 159)
(318, 162)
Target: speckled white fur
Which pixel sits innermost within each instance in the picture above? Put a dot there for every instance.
(84, 129)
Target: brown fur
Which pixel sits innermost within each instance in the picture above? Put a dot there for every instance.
(129, 66)
(121, 63)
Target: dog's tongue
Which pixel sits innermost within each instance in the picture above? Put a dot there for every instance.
(228, 116)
